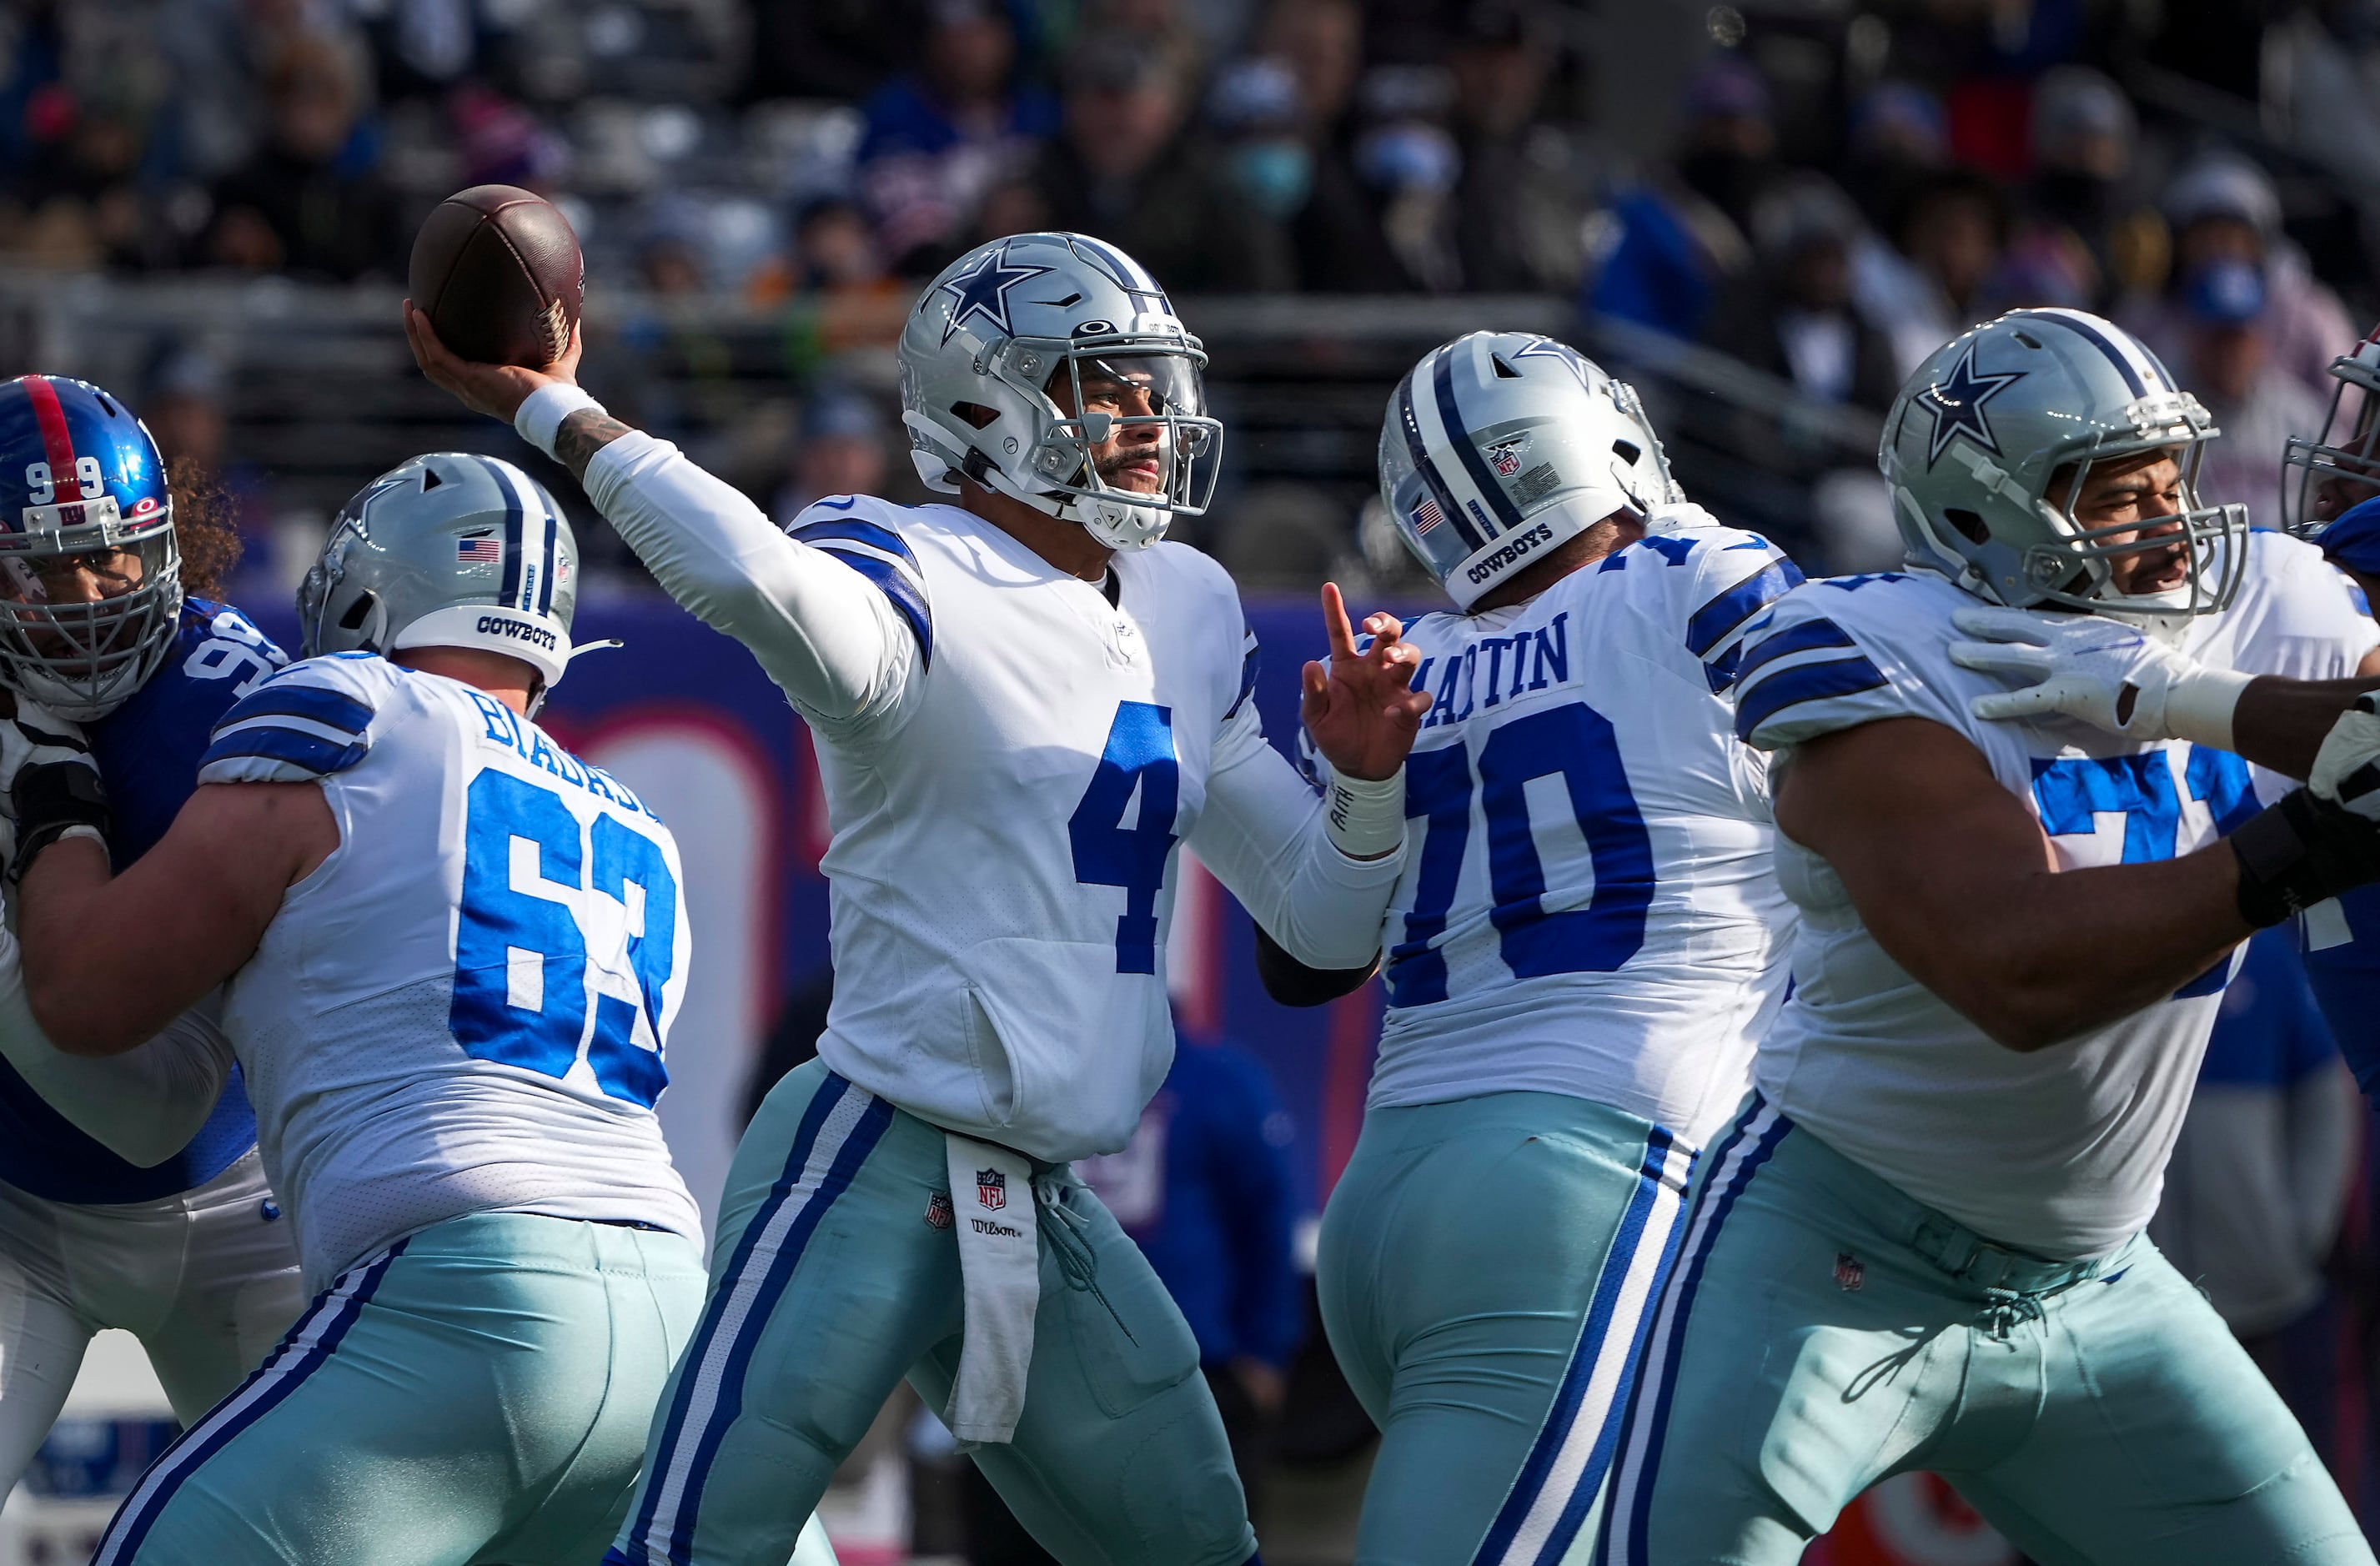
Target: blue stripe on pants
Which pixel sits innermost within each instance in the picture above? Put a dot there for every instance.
(839, 1129)
(306, 1349)
(1565, 1468)
(1627, 1519)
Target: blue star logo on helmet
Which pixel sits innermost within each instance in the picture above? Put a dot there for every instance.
(1957, 404)
(982, 289)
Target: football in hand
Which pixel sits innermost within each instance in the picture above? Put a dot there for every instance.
(498, 272)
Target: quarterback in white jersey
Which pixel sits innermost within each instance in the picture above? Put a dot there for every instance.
(1920, 1246)
(1024, 701)
(1584, 949)
(452, 951)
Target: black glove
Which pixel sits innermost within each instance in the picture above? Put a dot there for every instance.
(57, 788)
(2301, 852)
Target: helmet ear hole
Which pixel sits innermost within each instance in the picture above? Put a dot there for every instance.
(1971, 526)
(1626, 452)
(975, 414)
(358, 612)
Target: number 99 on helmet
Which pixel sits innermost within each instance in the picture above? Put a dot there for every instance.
(90, 578)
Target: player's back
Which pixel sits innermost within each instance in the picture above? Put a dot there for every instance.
(148, 751)
(462, 1009)
(2059, 1151)
(1590, 910)
(1002, 863)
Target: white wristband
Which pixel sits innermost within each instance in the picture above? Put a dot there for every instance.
(1366, 817)
(539, 419)
(2200, 708)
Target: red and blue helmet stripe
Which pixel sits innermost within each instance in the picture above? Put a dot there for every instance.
(64, 441)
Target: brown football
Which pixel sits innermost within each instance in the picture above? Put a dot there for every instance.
(498, 272)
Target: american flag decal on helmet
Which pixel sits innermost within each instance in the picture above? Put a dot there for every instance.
(480, 552)
(1427, 516)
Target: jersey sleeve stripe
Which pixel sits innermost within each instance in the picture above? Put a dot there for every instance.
(870, 533)
(309, 753)
(1808, 636)
(331, 709)
(1709, 624)
(1251, 662)
(1804, 682)
(328, 733)
(901, 589)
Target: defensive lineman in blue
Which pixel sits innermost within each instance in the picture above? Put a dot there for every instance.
(453, 952)
(1586, 944)
(2335, 503)
(1024, 701)
(130, 1192)
(1921, 1245)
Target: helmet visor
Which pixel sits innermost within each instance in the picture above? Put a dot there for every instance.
(2179, 561)
(90, 621)
(2338, 468)
(1134, 423)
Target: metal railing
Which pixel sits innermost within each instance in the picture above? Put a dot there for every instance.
(318, 391)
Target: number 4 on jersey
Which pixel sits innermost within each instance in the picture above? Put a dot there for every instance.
(1139, 758)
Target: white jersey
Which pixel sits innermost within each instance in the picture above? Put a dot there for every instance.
(462, 1009)
(2060, 1151)
(1002, 864)
(1590, 909)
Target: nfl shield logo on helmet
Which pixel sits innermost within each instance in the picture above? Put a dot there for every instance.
(1506, 458)
(991, 1189)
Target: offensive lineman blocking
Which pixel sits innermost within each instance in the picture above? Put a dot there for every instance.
(1586, 944)
(1920, 1246)
(1024, 701)
(454, 1072)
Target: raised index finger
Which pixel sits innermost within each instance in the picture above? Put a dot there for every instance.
(1334, 622)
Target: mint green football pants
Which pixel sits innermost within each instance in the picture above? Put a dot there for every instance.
(478, 1392)
(1823, 1330)
(836, 1274)
(1486, 1269)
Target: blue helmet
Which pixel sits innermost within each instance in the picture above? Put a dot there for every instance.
(91, 579)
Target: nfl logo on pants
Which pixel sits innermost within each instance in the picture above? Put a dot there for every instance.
(991, 1189)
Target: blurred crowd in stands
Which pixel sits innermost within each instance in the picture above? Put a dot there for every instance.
(1813, 195)
(1822, 193)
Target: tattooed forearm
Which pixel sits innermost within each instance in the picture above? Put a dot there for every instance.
(582, 435)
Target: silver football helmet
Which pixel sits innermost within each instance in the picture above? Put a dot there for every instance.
(1979, 432)
(2342, 466)
(448, 550)
(1012, 320)
(1499, 446)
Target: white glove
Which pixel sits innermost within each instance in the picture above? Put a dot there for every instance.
(2347, 769)
(2100, 671)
